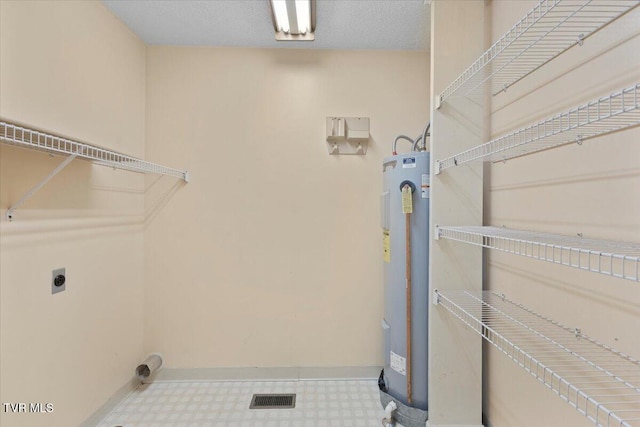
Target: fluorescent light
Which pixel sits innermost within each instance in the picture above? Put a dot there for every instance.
(293, 19)
(282, 17)
(303, 12)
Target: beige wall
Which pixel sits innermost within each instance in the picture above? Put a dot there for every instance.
(71, 68)
(455, 351)
(590, 189)
(271, 256)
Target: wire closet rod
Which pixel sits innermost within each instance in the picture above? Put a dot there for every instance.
(617, 259)
(601, 383)
(548, 30)
(23, 136)
(617, 111)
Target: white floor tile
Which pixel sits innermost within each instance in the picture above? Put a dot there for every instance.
(343, 403)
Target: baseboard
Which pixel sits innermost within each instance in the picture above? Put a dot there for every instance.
(116, 399)
(267, 374)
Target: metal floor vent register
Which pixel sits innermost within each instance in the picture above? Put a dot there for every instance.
(273, 401)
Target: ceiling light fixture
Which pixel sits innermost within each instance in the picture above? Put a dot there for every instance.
(294, 19)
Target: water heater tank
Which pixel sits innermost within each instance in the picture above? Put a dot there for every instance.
(399, 170)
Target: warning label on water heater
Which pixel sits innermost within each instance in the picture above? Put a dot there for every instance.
(398, 364)
(425, 187)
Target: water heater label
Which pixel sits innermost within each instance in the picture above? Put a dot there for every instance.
(409, 162)
(425, 187)
(399, 364)
(386, 245)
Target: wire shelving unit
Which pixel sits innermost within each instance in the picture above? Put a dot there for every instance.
(617, 259)
(549, 29)
(14, 134)
(29, 138)
(598, 381)
(611, 113)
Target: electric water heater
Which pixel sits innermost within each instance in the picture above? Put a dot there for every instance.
(405, 240)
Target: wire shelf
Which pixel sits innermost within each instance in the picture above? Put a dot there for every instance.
(600, 382)
(24, 137)
(611, 113)
(549, 29)
(617, 259)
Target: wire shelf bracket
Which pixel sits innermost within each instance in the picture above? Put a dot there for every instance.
(14, 134)
(617, 111)
(599, 382)
(617, 259)
(38, 186)
(549, 29)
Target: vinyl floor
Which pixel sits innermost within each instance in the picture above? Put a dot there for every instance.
(319, 403)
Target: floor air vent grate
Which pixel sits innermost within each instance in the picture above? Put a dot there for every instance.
(273, 401)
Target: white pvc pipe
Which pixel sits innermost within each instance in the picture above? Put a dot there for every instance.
(152, 364)
(388, 414)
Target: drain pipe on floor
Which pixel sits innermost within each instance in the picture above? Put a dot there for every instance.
(152, 364)
(388, 420)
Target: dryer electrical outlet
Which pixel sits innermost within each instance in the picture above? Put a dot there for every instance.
(58, 280)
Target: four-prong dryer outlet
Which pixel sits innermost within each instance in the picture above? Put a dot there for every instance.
(404, 217)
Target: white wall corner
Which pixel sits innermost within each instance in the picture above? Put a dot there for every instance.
(114, 401)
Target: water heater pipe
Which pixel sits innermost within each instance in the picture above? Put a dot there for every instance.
(389, 410)
(395, 142)
(407, 222)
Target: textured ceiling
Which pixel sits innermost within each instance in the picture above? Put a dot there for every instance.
(340, 24)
